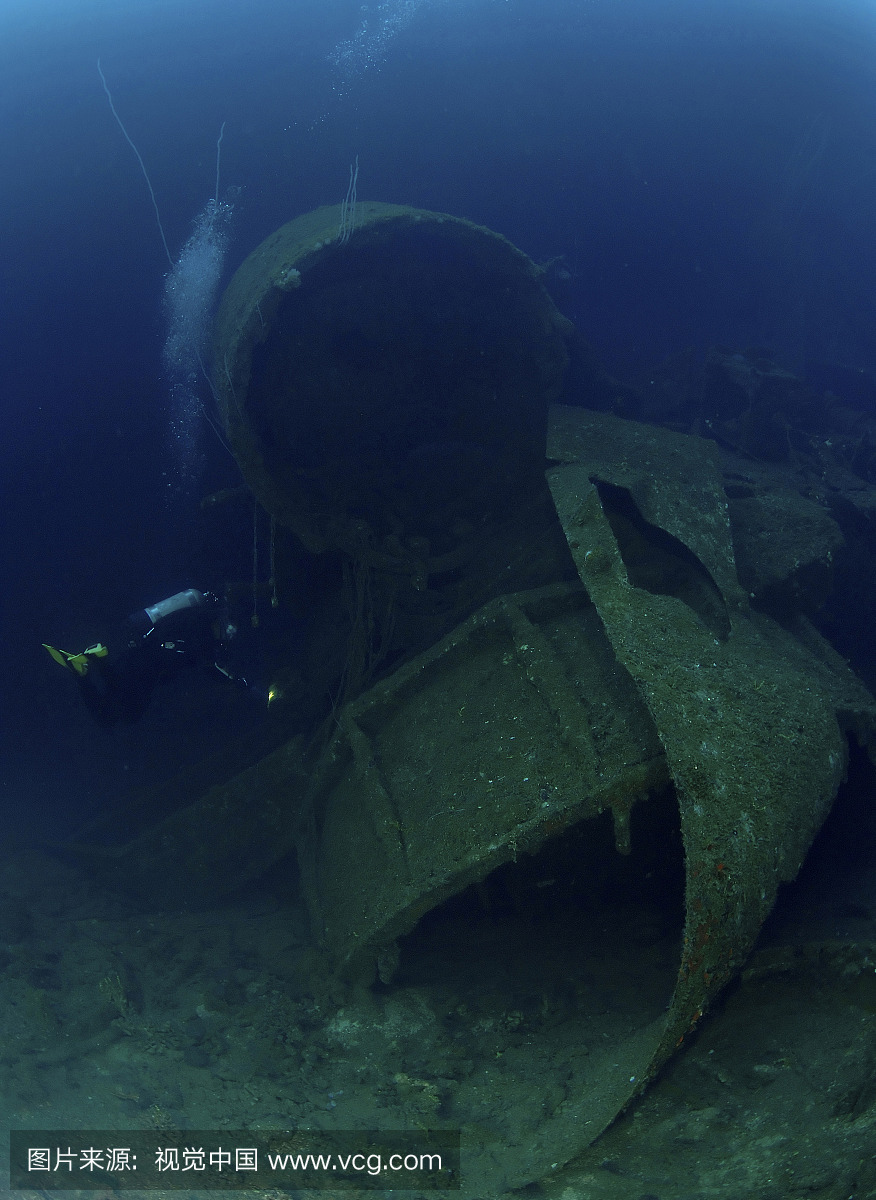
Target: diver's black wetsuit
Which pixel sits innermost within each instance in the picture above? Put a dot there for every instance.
(144, 652)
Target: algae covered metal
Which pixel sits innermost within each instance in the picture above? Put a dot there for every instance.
(513, 727)
(546, 709)
(383, 395)
(752, 715)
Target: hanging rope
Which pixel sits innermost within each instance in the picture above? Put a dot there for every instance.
(254, 619)
(275, 599)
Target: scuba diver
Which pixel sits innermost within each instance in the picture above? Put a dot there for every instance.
(116, 679)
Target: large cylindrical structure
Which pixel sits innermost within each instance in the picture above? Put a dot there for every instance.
(391, 388)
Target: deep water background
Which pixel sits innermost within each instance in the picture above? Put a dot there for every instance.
(707, 168)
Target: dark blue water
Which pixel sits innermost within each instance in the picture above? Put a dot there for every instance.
(708, 170)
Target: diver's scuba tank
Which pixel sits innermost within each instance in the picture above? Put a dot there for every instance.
(190, 598)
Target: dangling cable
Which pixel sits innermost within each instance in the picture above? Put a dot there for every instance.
(253, 619)
(275, 599)
(140, 161)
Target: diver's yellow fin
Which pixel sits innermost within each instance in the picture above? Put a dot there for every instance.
(61, 657)
(76, 662)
